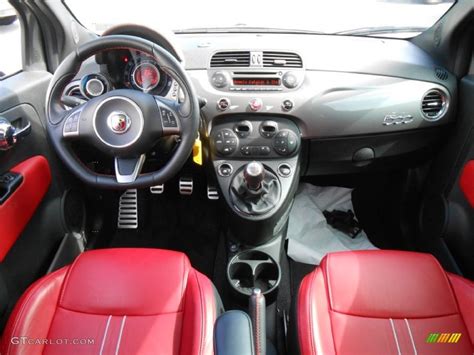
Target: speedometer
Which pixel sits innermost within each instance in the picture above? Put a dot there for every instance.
(145, 76)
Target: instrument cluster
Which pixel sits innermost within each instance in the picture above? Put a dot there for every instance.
(126, 69)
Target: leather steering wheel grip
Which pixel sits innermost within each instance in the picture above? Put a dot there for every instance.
(188, 110)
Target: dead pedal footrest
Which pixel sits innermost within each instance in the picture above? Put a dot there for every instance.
(128, 210)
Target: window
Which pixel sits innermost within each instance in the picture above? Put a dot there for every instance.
(10, 40)
(386, 18)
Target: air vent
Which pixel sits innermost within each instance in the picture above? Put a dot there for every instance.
(75, 91)
(434, 104)
(441, 73)
(282, 60)
(230, 59)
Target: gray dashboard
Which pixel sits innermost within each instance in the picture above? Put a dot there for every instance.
(351, 85)
(357, 102)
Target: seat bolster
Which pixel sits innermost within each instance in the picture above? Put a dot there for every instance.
(200, 313)
(464, 292)
(33, 314)
(313, 318)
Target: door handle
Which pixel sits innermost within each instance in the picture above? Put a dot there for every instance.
(10, 135)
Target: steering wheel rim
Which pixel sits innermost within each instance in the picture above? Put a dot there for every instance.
(186, 114)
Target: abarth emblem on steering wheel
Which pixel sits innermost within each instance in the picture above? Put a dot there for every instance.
(119, 122)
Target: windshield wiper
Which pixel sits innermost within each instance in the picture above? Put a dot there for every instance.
(370, 31)
(245, 29)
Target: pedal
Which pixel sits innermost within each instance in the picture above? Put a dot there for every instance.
(157, 189)
(128, 210)
(212, 193)
(185, 186)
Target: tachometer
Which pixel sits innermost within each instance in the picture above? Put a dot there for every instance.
(141, 72)
(146, 76)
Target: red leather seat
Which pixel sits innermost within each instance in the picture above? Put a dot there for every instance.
(116, 301)
(384, 302)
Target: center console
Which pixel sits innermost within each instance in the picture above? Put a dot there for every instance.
(256, 161)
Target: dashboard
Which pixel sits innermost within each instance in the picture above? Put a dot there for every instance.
(356, 102)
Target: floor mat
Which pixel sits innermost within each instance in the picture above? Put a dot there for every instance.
(183, 223)
(310, 237)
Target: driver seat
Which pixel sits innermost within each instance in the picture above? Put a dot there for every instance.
(116, 301)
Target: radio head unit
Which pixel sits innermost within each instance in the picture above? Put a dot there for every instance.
(261, 80)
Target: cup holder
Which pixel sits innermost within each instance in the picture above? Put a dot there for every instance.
(253, 268)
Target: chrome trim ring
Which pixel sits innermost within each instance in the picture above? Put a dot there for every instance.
(140, 115)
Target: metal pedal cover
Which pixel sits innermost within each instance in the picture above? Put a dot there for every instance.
(212, 193)
(185, 185)
(157, 189)
(128, 210)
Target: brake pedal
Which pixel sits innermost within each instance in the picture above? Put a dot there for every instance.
(185, 186)
(212, 193)
(157, 189)
(128, 210)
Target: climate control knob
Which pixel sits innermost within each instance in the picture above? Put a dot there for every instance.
(285, 142)
(256, 104)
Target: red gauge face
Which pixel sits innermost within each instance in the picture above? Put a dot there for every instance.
(146, 76)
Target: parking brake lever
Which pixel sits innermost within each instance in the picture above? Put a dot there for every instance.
(257, 306)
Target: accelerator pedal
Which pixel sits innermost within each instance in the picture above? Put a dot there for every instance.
(212, 193)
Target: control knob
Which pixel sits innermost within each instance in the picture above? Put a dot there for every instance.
(290, 80)
(219, 79)
(256, 104)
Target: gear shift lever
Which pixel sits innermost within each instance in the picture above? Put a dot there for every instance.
(255, 189)
(254, 173)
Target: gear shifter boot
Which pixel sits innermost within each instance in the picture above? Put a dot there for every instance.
(255, 197)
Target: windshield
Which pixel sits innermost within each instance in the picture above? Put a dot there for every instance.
(389, 18)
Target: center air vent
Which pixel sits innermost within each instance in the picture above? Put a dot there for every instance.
(230, 59)
(434, 104)
(282, 60)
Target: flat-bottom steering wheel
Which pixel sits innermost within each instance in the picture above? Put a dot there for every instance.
(123, 123)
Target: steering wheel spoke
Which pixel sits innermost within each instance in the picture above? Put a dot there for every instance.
(171, 122)
(128, 169)
(71, 123)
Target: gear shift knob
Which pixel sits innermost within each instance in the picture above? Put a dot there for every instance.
(254, 173)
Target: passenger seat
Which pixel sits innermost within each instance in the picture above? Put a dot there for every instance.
(384, 302)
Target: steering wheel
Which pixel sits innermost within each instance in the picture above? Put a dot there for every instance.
(122, 123)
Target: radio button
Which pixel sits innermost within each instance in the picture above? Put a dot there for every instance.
(223, 104)
(219, 79)
(287, 105)
(290, 80)
(256, 104)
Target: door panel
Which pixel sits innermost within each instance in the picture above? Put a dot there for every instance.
(447, 213)
(20, 205)
(32, 219)
(467, 182)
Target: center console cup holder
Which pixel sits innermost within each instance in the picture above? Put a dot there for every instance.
(253, 268)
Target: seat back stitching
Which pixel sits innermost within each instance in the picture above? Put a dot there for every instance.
(395, 336)
(120, 335)
(105, 335)
(411, 336)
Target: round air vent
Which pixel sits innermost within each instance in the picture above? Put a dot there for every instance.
(434, 104)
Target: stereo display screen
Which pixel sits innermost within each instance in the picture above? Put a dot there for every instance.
(257, 81)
